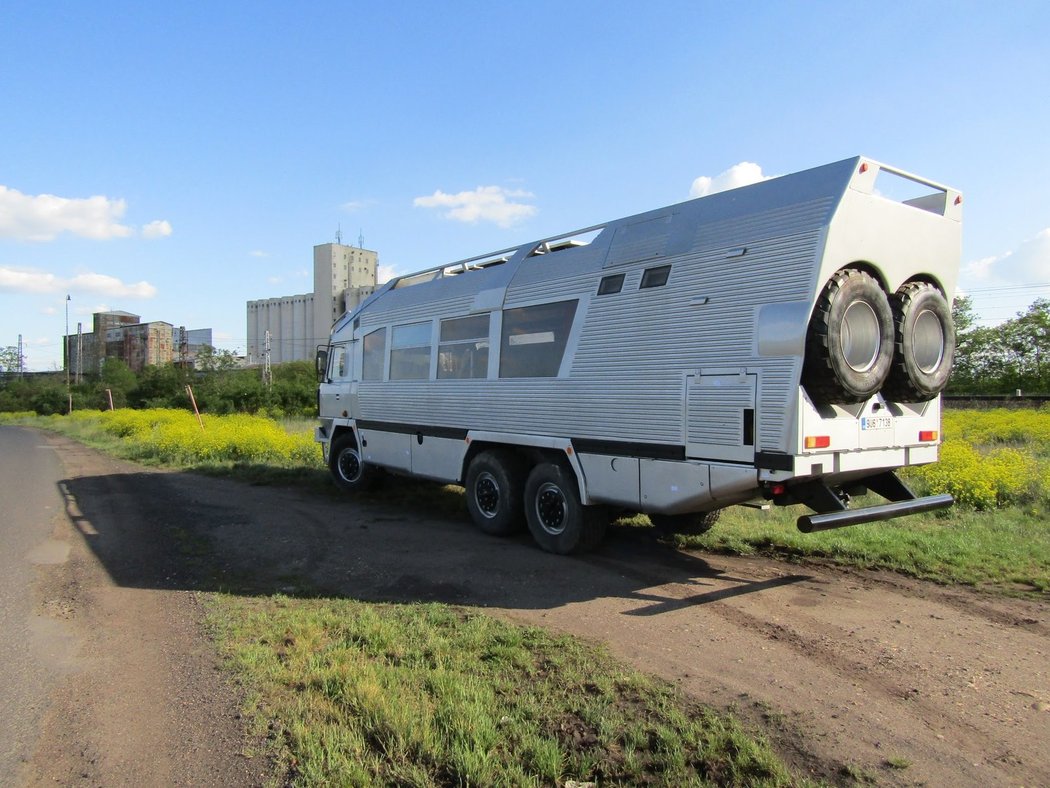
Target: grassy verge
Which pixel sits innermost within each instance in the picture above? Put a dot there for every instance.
(1005, 550)
(366, 694)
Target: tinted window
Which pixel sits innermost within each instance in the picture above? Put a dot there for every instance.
(464, 348)
(611, 284)
(534, 338)
(656, 277)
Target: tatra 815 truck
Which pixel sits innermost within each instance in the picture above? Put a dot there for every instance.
(784, 342)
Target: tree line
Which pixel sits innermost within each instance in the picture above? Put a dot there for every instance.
(219, 386)
(1002, 359)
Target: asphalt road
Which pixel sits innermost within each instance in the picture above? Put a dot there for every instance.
(35, 648)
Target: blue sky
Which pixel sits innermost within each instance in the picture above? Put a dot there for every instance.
(178, 160)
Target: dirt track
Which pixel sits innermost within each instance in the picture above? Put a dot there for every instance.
(849, 672)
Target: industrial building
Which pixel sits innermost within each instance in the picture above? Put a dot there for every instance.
(124, 336)
(343, 277)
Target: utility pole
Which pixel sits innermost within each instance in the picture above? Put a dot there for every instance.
(80, 353)
(267, 375)
(66, 345)
(21, 360)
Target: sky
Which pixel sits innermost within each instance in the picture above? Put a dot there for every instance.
(179, 160)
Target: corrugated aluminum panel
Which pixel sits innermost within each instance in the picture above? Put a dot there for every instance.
(627, 380)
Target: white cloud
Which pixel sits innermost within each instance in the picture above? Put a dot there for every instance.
(1027, 264)
(21, 280)
(43, 217)
(743, 174)
(159, 228)
(1002, 285)
(486, 203)
(353, 206)
(275, 280)
(385, 273)
(258, 253)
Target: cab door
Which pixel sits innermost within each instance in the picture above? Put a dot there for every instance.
(335, 392)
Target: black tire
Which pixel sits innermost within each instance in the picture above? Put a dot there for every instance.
(348, 468)
(495, 486)
(924, 344)
(692, 524)
(557, 520)
(849, 345)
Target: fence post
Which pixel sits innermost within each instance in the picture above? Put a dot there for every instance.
(189, 390)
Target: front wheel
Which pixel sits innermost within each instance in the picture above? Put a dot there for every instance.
(557, 520)
(348, 467)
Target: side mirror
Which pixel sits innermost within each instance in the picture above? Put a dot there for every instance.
(321, 363)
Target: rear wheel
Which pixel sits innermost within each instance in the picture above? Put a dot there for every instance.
(849, 345)
(692, 524)
(348, 468)
(924, 344)
(557, 520)
(494, 486)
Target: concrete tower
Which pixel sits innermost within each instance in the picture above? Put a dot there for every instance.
(343, 277)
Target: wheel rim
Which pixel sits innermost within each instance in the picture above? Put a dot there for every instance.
(928, 341)
(860, 338)
(486, 495)
(349, 465)
(551, 508)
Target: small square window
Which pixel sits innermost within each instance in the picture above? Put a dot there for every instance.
(611, 284)
(655, 277)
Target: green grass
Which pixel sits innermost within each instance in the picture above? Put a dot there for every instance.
(366, 694)
(1004, 549)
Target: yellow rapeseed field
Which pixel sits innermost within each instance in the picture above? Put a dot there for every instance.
(175, 437)
(992, 458)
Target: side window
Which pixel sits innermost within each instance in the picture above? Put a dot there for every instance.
(374, 352)
(338, 363)
(611, 284)
(534, 338)
(464, 348)
(410, 352)
(655, 277)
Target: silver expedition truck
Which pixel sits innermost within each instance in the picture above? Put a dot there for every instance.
(785, 341)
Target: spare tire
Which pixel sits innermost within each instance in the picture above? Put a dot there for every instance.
(849, 345)
(924, 344)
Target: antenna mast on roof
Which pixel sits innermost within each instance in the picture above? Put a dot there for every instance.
(360, 239)
(339, 235)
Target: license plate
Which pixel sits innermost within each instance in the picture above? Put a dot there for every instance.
(868, 423)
